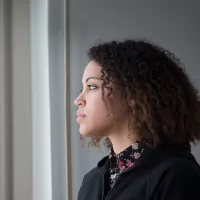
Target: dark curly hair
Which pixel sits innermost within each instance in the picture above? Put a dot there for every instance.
(166, 105)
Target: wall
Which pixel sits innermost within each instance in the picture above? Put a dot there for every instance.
(21, 101)
(40, 101)
(57, 75)
(32, 141)
(5, 102)
(172, 25)
(16, 128)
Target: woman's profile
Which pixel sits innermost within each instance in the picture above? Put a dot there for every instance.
(138, 98)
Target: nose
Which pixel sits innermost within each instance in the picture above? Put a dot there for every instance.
(79, 101)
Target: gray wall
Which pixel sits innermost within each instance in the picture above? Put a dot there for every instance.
(32, 100)
(20, 57)
(5, 102)
(57, 77)
(172, 25)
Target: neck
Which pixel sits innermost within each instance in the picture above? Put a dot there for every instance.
(120, 143)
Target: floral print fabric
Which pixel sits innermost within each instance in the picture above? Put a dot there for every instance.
(123, 161)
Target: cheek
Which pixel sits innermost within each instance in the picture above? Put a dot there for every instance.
(97, 108)
(95, 105)
(119, 111)
(97, 121)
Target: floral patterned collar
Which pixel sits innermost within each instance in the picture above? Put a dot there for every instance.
(124, 160)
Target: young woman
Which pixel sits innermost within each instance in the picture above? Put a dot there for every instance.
(138, 98)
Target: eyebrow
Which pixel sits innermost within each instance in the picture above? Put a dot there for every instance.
(91, 78)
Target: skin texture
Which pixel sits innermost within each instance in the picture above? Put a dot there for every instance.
(99, 118)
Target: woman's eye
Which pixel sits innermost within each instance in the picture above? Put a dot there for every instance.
(91, 87)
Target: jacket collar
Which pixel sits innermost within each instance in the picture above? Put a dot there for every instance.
(152, 155)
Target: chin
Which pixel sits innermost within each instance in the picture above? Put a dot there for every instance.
(86, 132)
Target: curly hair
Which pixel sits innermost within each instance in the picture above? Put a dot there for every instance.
(166, 108)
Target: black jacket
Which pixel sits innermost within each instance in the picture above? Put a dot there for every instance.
(160, 174)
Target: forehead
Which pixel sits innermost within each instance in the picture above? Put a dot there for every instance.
(92, 70)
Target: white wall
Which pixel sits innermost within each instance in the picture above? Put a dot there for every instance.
(57, 74)
(174, 25)
(40, 92)
(30, 169)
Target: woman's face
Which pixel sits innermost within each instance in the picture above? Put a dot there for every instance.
(95, 116)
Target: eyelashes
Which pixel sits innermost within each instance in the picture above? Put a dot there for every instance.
(90, 87)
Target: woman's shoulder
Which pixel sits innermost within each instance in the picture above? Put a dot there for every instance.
(173, 159)
(101, 166)
(175, 177)
(179, 170)
(179, 164)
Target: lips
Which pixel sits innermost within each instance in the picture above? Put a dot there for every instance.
(80, 115)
